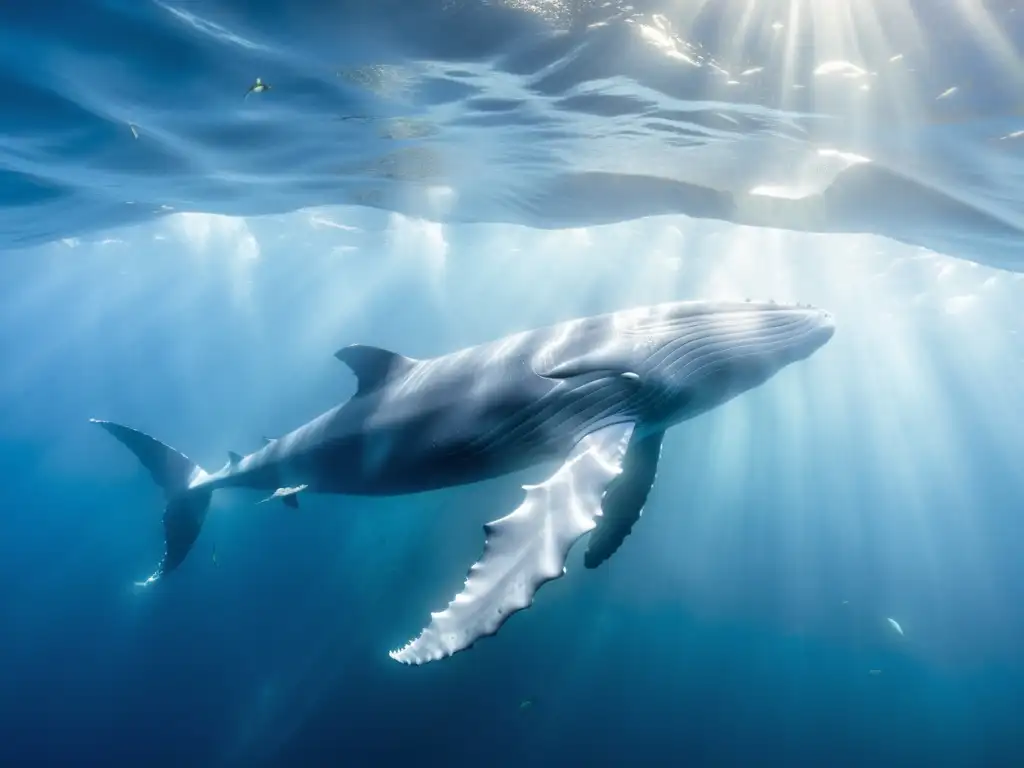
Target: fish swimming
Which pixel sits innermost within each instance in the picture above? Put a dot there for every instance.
(258, 87)
(592, 396)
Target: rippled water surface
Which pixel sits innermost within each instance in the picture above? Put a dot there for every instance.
(899, 118)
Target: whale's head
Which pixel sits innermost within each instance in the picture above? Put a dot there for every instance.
(698, 355)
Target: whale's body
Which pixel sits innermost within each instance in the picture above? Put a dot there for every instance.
(595, 394)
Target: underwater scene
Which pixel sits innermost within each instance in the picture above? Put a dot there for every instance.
(511, 383)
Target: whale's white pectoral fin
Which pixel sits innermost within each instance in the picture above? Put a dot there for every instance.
(525, 549)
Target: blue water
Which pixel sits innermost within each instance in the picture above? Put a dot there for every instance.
(428, 175)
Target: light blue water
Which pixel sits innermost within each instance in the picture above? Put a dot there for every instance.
(424, 176)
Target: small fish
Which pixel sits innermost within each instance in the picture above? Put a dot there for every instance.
(895, 625)
(525, 704)
(258, 87)
(213, 555)
(135, 131)
(874, 672)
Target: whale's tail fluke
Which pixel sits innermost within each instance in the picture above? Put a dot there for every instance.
(177, 475)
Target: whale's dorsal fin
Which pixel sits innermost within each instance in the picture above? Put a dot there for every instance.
(233, 458)
(373, 366)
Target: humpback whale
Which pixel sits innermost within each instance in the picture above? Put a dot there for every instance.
(592, 396)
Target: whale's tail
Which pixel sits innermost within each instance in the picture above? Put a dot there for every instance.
(187, 500)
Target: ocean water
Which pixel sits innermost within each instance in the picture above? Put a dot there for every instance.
(427, 175)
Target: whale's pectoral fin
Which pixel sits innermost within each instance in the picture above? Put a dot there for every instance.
(624, 502)
(525, 549)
